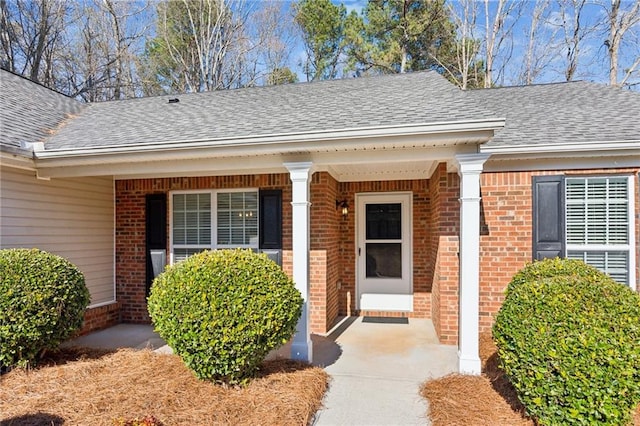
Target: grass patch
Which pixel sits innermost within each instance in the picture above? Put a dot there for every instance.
(489, 399)
(80, 386)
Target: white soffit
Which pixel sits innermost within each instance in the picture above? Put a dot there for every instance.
(382, 171)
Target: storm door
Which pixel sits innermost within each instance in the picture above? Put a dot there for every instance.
(384, 251)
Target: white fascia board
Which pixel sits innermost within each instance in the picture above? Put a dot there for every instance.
(497, 164)
(286, 138)
(556, 148)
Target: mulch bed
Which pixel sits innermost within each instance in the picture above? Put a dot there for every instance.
(80, 386)
(489, 399)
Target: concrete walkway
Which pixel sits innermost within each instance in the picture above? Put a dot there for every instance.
(376, 380)
(376, 368)
(136, 336)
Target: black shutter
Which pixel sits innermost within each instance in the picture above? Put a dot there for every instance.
(155, 230)
(548, 217)
(271, 219)
(271, 224)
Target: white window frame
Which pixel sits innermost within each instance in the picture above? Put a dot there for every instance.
(213, 193)
(629, 248)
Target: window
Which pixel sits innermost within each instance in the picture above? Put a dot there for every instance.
(587, 218)
(213, 219)
(237, 219)
(597, 223)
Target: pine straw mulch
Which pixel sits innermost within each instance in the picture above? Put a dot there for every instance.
(81, 386)
(486, 400)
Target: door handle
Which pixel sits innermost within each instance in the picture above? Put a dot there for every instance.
(359, 249)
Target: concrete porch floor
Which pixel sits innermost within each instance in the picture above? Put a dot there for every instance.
(376, 368)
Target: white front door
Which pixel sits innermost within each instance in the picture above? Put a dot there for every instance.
(384, 251)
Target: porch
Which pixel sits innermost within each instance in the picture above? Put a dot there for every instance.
(325, 250)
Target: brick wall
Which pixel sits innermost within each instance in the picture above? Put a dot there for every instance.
(505, 241)
(130, 228)
(100, 317)
(444, 190)
(332, 256)
(505, 236)
(506, 231)
(422, 267)
(325, 254)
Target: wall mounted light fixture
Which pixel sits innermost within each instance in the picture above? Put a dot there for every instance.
(344, 206)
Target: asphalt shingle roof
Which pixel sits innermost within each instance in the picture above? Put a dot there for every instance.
(29, 112)
(541, 114)
(558, 113)
(417, 98)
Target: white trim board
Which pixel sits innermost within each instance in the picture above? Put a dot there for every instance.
(386, 302)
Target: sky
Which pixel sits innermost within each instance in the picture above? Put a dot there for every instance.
(593, 62)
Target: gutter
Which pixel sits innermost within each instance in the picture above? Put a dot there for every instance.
(279, 139)
(567, 147)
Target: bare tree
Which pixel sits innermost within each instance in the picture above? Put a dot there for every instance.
(464, 14)
(199, 46)
(275, 34)
(500, 18)
(542, 45)
(32, 34)
(99, 62)
(575, 30)
(118, 15)
(7, 38)
(621, 22)
(263, 44)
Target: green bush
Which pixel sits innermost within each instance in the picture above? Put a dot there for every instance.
(549, 268)
(223, 311)
(570, 344)
(42, 302)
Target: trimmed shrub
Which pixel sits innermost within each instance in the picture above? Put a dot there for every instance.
(42, 302)
(223, 311)
(549, 268)
(570, 344)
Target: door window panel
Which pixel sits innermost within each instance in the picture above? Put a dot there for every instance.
(384, 260)
(384, 221)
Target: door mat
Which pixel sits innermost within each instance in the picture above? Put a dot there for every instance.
(386, 320)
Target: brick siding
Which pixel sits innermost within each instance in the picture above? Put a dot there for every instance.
(505, 236)
(422, 267)
(506, 231)
(505, 241)
(100, 318)
(444, 189)
(130, 228)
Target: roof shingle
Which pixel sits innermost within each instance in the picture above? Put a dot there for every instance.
(29, 112)
(417, 98)
(558, 113)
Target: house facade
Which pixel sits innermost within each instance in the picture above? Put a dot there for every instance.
(391, 196)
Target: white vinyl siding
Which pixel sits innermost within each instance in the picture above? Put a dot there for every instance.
(599, 223)
(70, 217)
(196, 225)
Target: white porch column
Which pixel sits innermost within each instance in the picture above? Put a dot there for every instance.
(469, 169)
(300, 173)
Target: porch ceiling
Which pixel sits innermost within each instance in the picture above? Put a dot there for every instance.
(383, 171)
